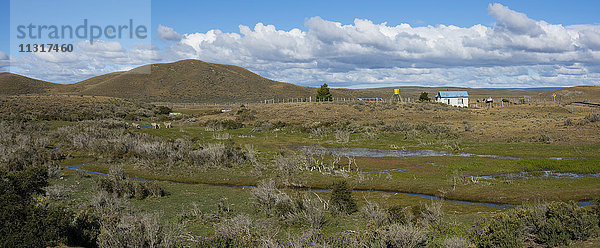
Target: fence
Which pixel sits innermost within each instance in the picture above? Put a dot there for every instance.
(476, 103)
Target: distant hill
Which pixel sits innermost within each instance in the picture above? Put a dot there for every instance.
(577, 93)
(415, 91)
(201, 82)
(13, 84)
(189, 81)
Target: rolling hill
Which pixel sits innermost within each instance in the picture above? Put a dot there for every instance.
(14, 84)
(577, 93)
(201, 82)
(189, 81)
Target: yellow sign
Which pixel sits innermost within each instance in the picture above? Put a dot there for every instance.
(396, 91)
(554, 95)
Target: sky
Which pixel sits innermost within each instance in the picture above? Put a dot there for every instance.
(354, 44)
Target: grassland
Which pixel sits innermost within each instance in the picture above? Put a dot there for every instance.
(284, 143)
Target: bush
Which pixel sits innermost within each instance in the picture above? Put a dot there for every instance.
(162, 110)
(405, 236)
(341, 199)
(456, 242)
(267, 197)
(116, 184)
(550, 224)
(590, 118)
(85, 229)
(501, 231)
(400, 215)
(323, 94)
(558, 223)
(25, 222)
(424, 97)
(375, 216)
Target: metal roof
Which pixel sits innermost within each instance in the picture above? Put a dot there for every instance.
(453, 94)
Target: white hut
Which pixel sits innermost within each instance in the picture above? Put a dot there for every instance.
(454, 98)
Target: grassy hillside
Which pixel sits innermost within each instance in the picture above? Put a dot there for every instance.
(200, 82)
(415, 91)
(13, 84)
(578, 93)
(189, 81)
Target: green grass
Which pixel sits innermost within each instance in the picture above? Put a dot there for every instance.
(183, 197)
(271, 141)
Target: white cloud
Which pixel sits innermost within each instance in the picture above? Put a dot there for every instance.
(87, 60)
(366, 52)
(167, 33)
(514, 22)
(515, 51)
(4, 61)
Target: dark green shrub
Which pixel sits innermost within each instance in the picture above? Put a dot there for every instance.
(323, 94)
(85, 229)
(499, 231)
(424, 97)
(162, 110)
(341, 198)
(245, 114)
(552, 232)
(141, 192)
(398, 215)
(23, 221)
(154, 190)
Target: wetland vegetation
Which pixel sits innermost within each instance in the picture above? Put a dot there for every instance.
(296, 175)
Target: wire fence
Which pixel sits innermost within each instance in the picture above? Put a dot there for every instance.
(571, 105)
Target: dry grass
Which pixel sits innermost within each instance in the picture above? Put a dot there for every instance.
(512, 123)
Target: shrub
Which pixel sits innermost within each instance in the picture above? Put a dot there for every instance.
(568, 122)
(432, 214)
(590, 118)
(162, 110)
(266, 197)
(323, 94)
(84, 229)
(312, 211)
(341, 198)
(400, 215)
(456, 242)
(245, 114)
(342, 136)
(557, 223)
(500, 231)
(375, 216)
(424, 97)
(405, 236)
(23, 221)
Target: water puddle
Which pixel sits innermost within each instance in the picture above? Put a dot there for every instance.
(431, 197)
(386, 171)
(537, 175)
(377, 153)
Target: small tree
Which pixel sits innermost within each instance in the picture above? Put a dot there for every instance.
(162, 110)
(424, 97)
(323, 93)
(341, 198)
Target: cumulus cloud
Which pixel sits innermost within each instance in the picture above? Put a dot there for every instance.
(518, 48)
(86, 61)
(167, 33)
(512, 21)
(4, 61)
(516, 51)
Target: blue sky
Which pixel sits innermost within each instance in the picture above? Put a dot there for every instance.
(347, 43)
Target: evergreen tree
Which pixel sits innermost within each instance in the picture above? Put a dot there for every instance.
(341, 198)
(323, 93)
(424, 97)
